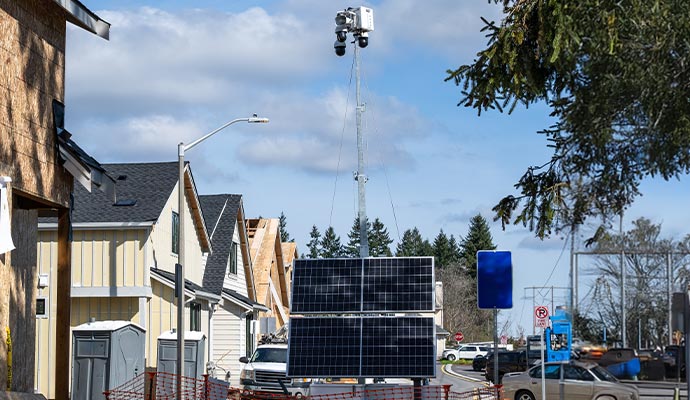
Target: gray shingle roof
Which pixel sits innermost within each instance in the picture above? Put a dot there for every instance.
(170, 277)
(149, 184)
(220, 215)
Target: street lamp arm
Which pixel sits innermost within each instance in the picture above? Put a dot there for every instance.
(208, 135)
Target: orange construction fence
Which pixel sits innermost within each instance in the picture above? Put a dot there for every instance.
(163, 386)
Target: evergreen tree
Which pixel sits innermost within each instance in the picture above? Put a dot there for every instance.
(330, 244)
(442, 250)
(351, 249)
(284, 235)
(455, 250)
(412, 245)
(314, 244)
(478, 238)
(614, 76)
(379, 240)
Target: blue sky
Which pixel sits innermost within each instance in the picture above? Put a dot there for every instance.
(174, 70)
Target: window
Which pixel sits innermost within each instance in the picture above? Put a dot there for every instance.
(249, 339)
(195, 317)
(577, 373)
(175, 233)
(550, 372)
(232, 260)
(41, 311)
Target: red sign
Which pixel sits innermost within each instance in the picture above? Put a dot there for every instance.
(541, 316)
(459, 336)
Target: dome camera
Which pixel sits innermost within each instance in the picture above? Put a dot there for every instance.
(363, 41)
(339, 48)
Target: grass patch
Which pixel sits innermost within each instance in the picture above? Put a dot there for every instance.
(457, 362)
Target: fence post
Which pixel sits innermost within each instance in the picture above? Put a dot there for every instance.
(152, 380)
(205, 386)
(446, 391)
(107, 394)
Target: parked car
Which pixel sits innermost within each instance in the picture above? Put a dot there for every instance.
(479, 362)
(578, 381)
(508, 361)
(267, 369)
(464, 352)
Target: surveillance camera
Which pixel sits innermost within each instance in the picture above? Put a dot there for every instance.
(339, 48)
(363, 41)
(341, 36)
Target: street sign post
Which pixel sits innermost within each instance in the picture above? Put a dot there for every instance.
(459, 337)
(541, 320)
(494, 287)
(541, 316)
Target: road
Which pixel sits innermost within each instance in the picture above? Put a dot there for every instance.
(466, 379)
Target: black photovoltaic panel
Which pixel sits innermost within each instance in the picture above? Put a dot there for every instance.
(324, 347)
(398, 284)
(364, 347)
(327, 286)
(398, 347)
(338, 286)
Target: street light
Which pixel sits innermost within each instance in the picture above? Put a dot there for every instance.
(180, 278)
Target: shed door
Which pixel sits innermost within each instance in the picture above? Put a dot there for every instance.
(90, 368)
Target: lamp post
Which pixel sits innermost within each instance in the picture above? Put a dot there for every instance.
(180, 271)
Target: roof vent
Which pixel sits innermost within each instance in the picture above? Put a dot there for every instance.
(121, 177)
(125, 203)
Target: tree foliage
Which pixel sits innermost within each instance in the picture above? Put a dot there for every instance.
(615, 75)
(379, 240)
(314, 244)
(478, 238)
(330, 244)
(446, 251)
(284, 235)
(413, 245)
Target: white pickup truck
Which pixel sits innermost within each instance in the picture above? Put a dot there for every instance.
(267, 369)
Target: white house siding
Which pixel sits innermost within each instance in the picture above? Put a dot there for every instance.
(228, 340)
(236, 281)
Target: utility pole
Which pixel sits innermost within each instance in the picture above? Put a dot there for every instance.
(359, 21)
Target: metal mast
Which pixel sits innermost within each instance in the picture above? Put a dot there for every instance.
(360, 177)
(358, 21)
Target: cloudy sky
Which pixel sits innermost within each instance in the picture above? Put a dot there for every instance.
(175, 70)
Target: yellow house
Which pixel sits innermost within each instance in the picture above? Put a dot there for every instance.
(123, 260)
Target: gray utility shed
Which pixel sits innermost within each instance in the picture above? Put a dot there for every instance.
(105, 354)
(194, 345)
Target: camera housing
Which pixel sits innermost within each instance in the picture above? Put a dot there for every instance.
(339, 48)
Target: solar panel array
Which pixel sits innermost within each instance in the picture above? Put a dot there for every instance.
(326, 286)
(374, 285)
(367, 347)
(398, 284)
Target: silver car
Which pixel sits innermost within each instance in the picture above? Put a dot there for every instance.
(572, 380)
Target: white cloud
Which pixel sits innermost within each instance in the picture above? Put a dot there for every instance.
(167, 77)
(450, 26)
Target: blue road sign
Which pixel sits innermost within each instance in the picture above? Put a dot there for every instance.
(494, 279)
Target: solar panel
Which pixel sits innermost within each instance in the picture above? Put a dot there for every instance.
(372, 285)
(398, 284)
(365, 347)
(324, 347)
(327, 286)
(398, 347)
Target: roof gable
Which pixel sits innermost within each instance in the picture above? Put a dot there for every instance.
(221, 216)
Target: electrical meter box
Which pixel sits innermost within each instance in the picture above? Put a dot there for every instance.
(105, 354)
